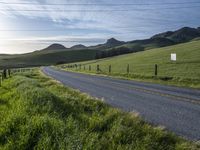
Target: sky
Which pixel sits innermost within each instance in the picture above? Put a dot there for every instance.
(29, 25)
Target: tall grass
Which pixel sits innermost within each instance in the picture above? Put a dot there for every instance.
(39, 113)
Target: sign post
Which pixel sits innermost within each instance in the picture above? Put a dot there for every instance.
(173, 56)
(156, 69)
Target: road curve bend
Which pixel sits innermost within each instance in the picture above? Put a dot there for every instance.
(178, 109)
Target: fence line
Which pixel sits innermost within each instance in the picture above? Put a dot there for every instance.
(7, 73)
(108, 68)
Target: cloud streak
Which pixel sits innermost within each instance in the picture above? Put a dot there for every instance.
(92, 23)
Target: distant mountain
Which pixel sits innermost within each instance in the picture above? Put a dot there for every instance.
(135, 46)
(55, 47)
(168, 38)
(44, 58)
(57, 53)
(110, 43)
(79, 46)
(179, 36)
(113, 42)
(153, 42)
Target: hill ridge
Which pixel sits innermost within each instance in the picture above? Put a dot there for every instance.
(55, 46)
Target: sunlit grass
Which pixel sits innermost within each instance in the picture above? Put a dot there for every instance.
(184, 72)
(36, 112)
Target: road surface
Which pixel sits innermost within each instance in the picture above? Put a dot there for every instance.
(177, 109)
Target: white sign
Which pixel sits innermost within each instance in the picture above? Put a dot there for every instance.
(173, 57)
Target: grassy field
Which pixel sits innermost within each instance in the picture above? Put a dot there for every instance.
(36, 112)
(184, 72)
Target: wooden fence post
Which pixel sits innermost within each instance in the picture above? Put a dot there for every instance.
(128, 69)
(4, 74)
(9, 73)
(97, 68)
(89, 68)
(109, 69)
(84, 67)
(0, 79)
(156, 69)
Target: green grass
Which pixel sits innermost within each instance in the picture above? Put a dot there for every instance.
(36, 112)
(184, 72)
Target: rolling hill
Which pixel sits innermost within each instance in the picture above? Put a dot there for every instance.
(54, 47)
(112, 42)
(141, 64)
(57, 53)
(168, 38)
(79, 46)
(182, 35)
(47, 58)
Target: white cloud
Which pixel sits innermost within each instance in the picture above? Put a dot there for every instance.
(102, 20)
(88, 25)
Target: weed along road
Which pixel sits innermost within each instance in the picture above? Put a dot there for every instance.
(177, 109)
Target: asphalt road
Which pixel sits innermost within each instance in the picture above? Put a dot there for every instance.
(177, 109)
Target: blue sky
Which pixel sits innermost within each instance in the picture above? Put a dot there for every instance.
(28, 27)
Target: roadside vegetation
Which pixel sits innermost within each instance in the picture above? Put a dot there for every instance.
(141, 65)
(37, 112)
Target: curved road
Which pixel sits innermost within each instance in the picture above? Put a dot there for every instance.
(178, 109)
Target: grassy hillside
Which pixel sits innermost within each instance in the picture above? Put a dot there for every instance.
(184, 34)
(46, 58)
(57, 53)
(39, 113)
(186, 70)
(168, 38)
(149, 43)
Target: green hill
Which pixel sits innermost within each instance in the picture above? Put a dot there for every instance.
(141, 64)
(54, 47)
(182, 35)
(79, 46)
(57, 53)
(168, 38)
(39, 58)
